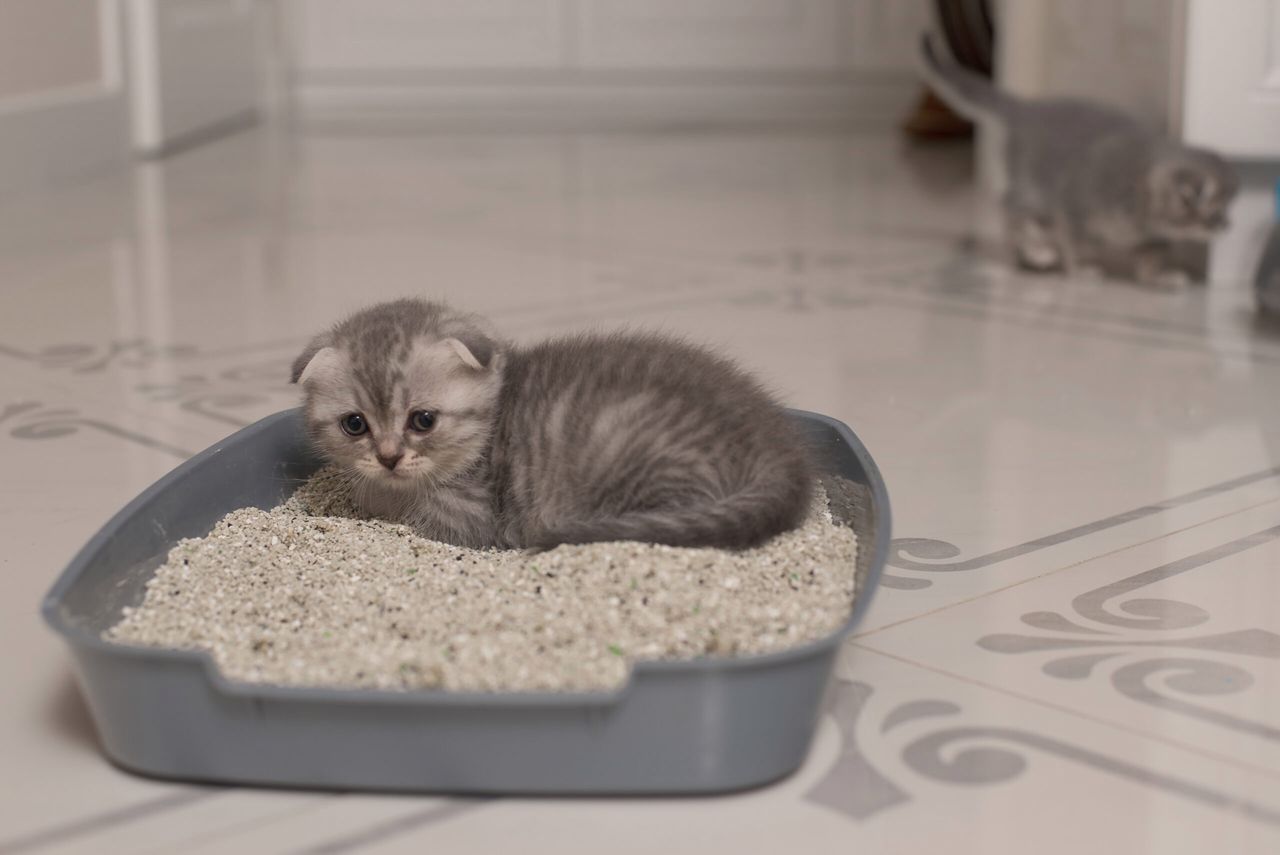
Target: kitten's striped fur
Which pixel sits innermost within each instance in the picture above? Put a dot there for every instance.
(575, 440)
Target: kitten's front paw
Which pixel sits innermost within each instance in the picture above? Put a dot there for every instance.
(1038, 257)
(1034, 246)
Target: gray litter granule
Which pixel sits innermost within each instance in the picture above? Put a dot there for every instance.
(309, 594)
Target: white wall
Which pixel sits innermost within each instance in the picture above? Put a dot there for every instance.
(707, 59)
(48, 46)
(1126, 53)
(1118, 52)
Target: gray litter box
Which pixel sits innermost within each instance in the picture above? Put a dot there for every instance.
(697, 726)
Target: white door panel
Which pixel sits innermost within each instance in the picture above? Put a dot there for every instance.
(1232, 83)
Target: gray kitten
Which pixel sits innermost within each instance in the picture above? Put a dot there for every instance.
(1089, 185)
(443, 426)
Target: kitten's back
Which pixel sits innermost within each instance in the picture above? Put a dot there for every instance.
(642, 437)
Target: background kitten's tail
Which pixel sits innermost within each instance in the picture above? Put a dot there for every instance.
(970, 94)
(739, 521)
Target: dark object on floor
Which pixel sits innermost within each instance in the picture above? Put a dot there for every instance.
(933, 119)
(1192, 258)
(969, 29)
(1266, 282)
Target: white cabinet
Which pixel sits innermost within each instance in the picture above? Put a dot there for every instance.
(1231, 89)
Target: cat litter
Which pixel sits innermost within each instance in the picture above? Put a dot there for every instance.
(310, 594)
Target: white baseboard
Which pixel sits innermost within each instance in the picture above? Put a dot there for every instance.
(581, 101)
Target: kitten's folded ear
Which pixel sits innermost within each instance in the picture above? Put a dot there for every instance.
(475, 349)
(317, 358)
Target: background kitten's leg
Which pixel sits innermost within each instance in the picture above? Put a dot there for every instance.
(1071, 254)
(1153, 267)
(1191, 257)
(1033, 244)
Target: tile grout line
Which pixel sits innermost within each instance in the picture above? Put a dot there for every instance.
(234, 828)
(409, 822)
(109, 819)
(1072, 711)
(147, 411)
(1136, 324)
(1080, 329)
(1098, 557)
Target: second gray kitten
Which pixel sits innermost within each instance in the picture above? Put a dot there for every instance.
(1089, 185)
(443, 426)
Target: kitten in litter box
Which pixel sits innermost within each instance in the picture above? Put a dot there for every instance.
(443, 426)
(1089, 185)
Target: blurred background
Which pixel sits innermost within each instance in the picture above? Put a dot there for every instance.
(189, 189)
(151, 90)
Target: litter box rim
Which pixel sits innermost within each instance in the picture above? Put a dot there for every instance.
(82, 639)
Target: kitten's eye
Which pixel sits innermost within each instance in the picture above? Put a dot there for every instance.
(421, 420)
(353, 424)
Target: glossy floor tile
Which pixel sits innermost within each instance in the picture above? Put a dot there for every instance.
(1176, 639)
(1076, 641)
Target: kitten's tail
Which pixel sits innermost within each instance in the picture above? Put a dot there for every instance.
(739, 521)
(971, 95)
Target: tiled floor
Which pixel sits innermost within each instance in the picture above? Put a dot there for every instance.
(1076, 648)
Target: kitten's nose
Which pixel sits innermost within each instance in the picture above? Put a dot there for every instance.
(390, 460)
